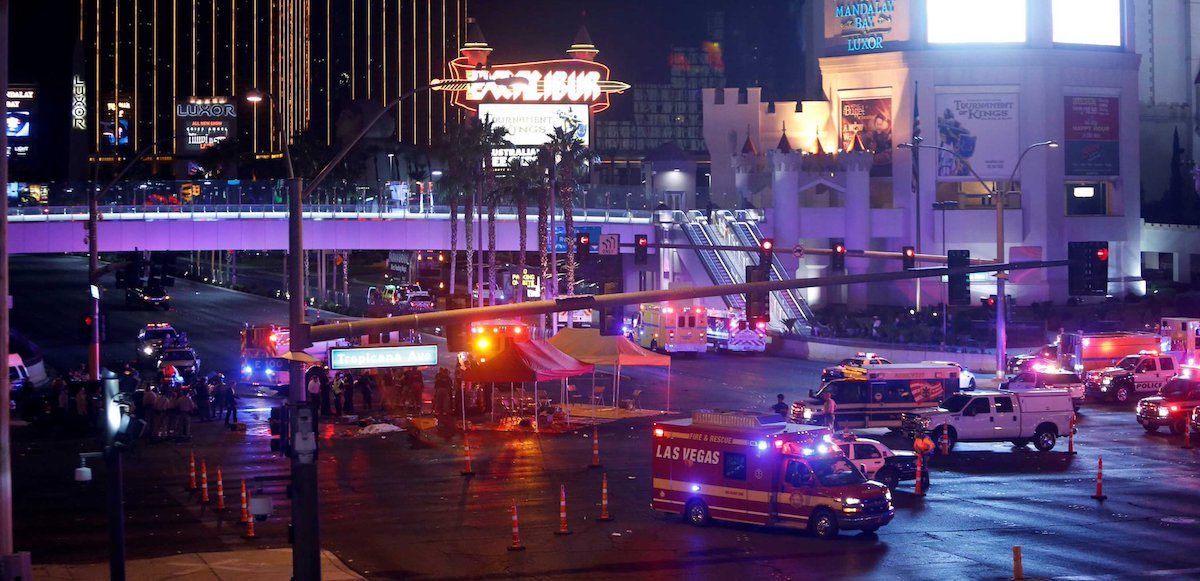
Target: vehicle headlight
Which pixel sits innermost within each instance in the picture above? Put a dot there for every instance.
(147, 350)
(1163, 412)
(887, 493)
(851, 501)
(1106, 380)
(808, 413)
(924, 421)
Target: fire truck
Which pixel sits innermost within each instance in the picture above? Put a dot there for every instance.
(263, 370)
(728, 330)
(749, 468)
(671, 328)
(1083, 352)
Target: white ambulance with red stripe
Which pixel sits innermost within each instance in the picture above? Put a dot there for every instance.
(757, 469)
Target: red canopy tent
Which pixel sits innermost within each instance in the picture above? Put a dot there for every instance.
(530, 361)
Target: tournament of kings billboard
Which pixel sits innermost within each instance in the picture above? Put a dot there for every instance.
(871, 121)
(982, 128)
(1092, 135)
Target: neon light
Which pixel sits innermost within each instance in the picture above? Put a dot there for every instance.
(550, 81)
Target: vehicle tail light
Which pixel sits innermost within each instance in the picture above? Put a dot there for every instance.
(1174, 408)
(778, 443)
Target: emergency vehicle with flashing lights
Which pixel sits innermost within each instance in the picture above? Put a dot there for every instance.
(749, 468)
(1084, 352)
(1046, 354)
(875, 396)
(878, 462)
(1172, 407)
(1142, 372)
(671, 328)
(728, 330)
(1048, 376)
(262, 369)
(858, 361)
(490, 337)
(152, 338)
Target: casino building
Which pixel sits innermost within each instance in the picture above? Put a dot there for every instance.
(991, 80)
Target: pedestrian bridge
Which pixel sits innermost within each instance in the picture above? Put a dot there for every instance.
(59, 229)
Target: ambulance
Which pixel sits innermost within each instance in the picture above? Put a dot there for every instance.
(728, 330)
(756, 469)
(671, 328)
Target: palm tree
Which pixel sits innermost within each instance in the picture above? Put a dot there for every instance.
(574, 160)
(458, 151)
(524, 178)
(491, 138)
(543, 226)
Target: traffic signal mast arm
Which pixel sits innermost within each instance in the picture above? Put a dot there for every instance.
(934, 258)
(459, 316)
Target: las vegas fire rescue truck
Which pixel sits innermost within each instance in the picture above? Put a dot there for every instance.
(263, 370)
(671, 328)
(728, 330)
(748, 468)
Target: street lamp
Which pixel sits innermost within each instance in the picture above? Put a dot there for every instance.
(999, 200)
(306, 553)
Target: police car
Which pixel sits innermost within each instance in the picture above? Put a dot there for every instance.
(859, 360)
(152, 338)
(878, 462)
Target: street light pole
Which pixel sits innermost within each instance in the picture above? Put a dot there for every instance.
(998, 199)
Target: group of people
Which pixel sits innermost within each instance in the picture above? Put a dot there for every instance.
(168, 409)
(335, 396)
(401, 389)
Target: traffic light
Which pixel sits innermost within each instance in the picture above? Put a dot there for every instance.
(988, 303)
(85, 330)
(959, 284)
(583, 246)
(279, 430)
(765, 248)
(909, 255)
(1087, 272)
(758, 306)
(837, 260)
(641, 249)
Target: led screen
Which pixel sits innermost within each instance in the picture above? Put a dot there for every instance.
(18, 124)
(975, 21)
(1095, 22)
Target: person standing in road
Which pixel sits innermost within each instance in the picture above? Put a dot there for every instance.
(780, 407)
(348, 405)
(203, 407)
(313, 395)
(230, 406)
(336, 392)
(830, 410)
(442, 386)
(364, 387)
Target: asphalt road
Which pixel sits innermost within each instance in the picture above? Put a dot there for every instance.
(392, 510)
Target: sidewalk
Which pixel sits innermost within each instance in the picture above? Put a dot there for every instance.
(258, 564)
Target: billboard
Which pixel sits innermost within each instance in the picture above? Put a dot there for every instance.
(870, 120)
(1092, 134)
(529, 126)
(203, 122)
(975, 21)
(856, 26)
(1092, 22)
(982, 128)
(19, 124)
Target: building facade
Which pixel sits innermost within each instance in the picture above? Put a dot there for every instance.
(992, 80)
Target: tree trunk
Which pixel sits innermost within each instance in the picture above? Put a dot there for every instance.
(491, 231)
(569, 226)
(543, 233)
(469, 219)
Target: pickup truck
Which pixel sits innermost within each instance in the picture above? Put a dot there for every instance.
(1040, 377)
(1039, 416)
(1142, 373)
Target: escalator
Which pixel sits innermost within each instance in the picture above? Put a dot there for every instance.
(716, 267)
(791, 304)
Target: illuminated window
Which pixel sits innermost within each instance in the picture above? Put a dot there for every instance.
(1088, 199)
(1094, 22)
(975, 21)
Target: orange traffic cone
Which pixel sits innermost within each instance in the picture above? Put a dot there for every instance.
(1100, 480)
(249, 534)
(245, 506)
(516, 531)
(944, 439)
(220, 492)
(562, 511)
(467, 471)
(191, 487)
(1071, 437)
(595, 449)
(604, 516)
(204, 482)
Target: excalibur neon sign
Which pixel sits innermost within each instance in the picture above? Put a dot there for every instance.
(551, 81)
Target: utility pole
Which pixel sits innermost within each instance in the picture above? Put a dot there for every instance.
(6, 530)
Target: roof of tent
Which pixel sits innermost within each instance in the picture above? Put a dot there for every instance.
(589, 346)
(528, 361)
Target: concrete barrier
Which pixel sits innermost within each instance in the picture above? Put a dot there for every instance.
(817, 350)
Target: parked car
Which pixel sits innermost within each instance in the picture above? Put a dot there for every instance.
(966, 379)
(880, 463)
